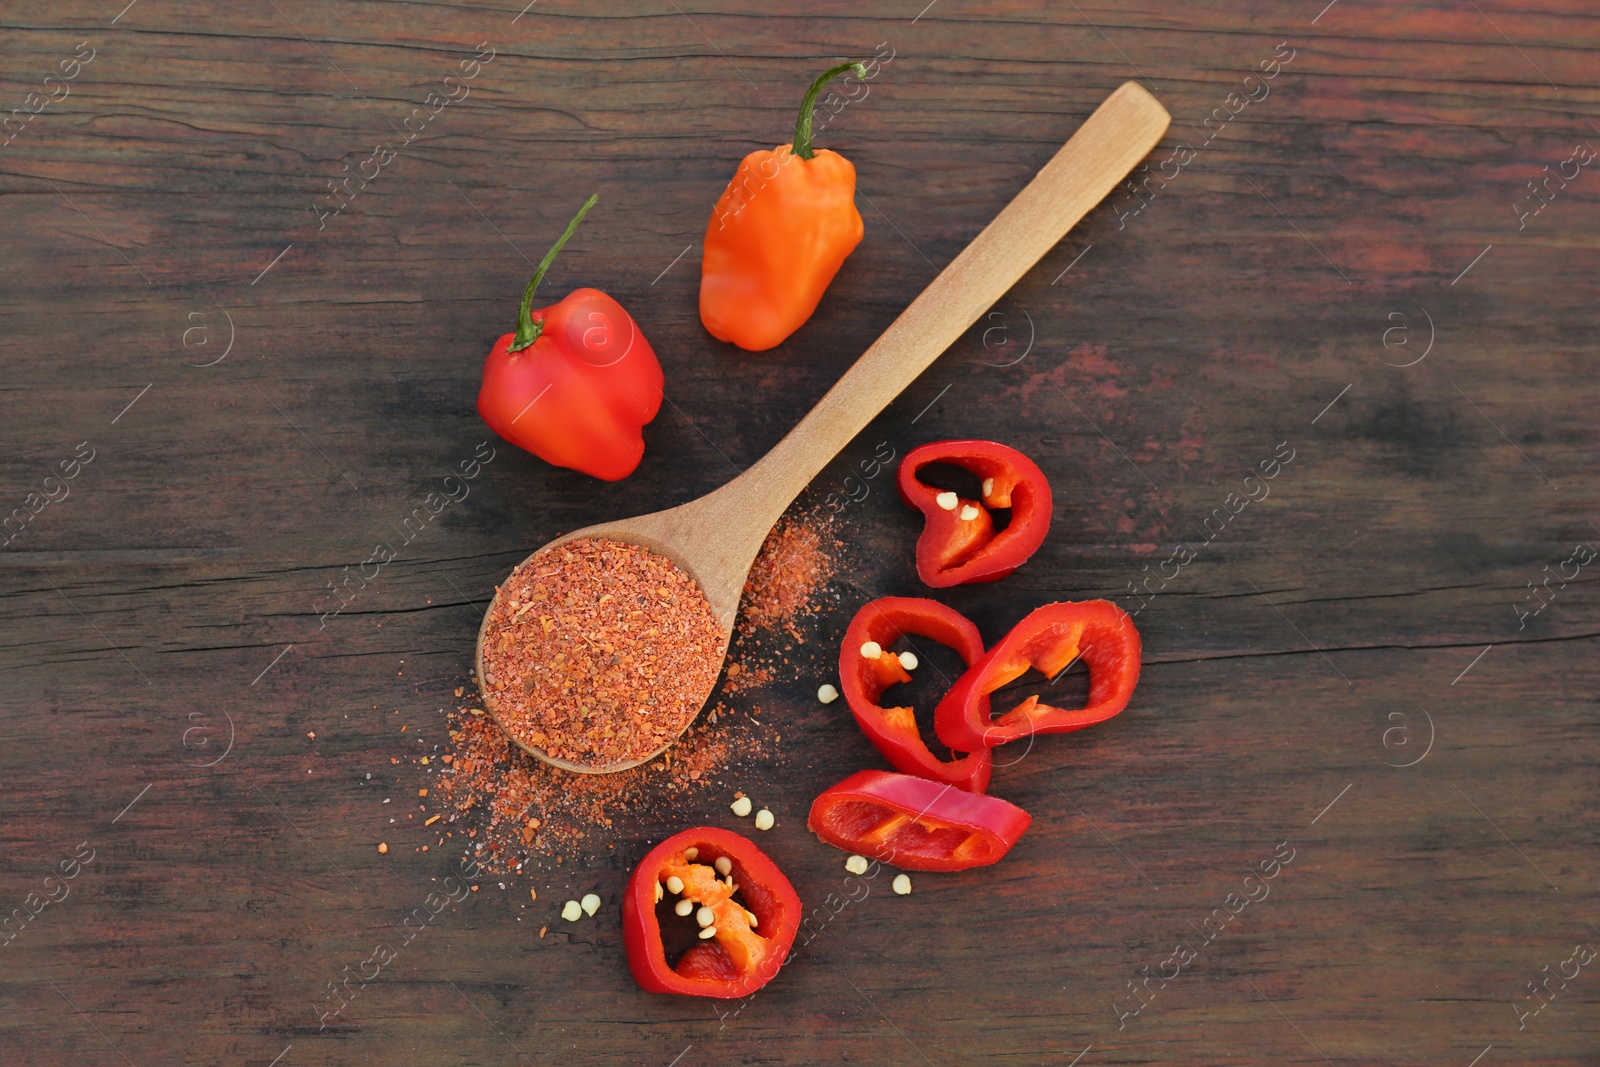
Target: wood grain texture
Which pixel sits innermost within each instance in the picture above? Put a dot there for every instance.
(1168, 353)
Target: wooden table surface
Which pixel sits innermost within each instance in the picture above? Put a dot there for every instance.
(1344, 263)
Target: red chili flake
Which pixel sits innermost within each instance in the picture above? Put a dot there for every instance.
(786, 586)
(794, 563)
(606, 656)
(506, 792)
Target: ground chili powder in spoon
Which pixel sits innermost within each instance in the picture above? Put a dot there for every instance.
(599, 652)
(517, 815)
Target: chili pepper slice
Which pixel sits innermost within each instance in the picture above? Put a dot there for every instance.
(745, 952)
(914, 823)
(1050, 639)
(576, 382)
(778, 235)
(862, 680)
(959, 545)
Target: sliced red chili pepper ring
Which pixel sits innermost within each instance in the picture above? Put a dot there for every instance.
(1048, 639)
(914, 823)
(751, 941)
(863, 679)
(959, 545)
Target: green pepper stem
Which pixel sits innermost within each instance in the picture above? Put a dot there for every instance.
(802, 125)
(528, 331)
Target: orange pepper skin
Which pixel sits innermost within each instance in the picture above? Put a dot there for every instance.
(777, 236)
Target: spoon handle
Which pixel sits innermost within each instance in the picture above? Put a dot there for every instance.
(1109, 144)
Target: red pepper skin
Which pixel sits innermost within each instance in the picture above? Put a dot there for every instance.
(706, 970)
(893, 731)
(916, 824)
(1049, 639)
(956, 551)
(578, 396)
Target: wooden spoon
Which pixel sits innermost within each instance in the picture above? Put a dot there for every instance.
(716, 538)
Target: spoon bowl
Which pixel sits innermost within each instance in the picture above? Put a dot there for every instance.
(715, 538)
(662, 532)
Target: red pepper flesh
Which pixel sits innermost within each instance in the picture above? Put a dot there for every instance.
(916, 824)
(862, 682)
(575, 383)
(960, 551)
(1048, 639)
(742, 956)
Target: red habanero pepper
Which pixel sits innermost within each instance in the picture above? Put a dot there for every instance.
(1050, 639)
(959, 544)
(576, 382)
(914, 823)
(863, 678)
(777, 235)
(752, 940)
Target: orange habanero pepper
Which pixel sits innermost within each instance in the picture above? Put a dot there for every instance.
(778, 235)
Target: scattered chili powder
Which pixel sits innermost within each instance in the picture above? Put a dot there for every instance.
(518, 811)
(786, 586)
(792, 565)
(599, 652)
(517, 814)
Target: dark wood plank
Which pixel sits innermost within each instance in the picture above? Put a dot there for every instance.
(1260, 297)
